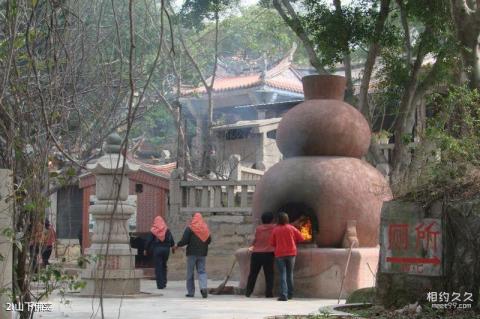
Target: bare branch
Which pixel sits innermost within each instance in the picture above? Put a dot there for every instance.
(291, 19)
(373, 52)
(42, 100)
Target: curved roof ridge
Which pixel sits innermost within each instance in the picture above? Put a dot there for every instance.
(284, 63)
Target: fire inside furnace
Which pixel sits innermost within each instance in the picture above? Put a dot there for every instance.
(304, 225)
(306, 230)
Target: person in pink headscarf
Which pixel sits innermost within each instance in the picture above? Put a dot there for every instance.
(159, 243)
(197, 238)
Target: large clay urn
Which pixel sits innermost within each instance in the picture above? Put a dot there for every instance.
(323, 140)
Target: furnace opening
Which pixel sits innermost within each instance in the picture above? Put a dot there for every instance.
(303, 218)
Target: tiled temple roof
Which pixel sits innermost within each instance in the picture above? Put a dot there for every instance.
(281, 75)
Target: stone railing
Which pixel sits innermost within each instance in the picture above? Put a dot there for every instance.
(387, 150)
(239, 172)
(250, 174)
(224, 199)
(211, 196)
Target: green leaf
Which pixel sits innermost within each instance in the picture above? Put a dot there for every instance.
(53, 174)
(71, 172)
(30, 207)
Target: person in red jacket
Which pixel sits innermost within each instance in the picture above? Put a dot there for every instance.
(262, 256)
(285, 238)
(49, 239)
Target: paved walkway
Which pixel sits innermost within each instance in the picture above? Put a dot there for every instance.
(172, 304)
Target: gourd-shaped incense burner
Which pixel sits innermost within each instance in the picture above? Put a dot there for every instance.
(322, 176)
(333, 196)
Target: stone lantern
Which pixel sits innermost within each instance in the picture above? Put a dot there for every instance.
(112, 258)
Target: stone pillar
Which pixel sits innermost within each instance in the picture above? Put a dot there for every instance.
(234, 167)
(5, 244)
(176, 223)
(260, 151)
(114, 260)
(175, 201)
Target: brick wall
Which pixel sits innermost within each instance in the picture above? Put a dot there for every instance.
(152, 201)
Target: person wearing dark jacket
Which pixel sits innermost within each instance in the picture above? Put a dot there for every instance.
(159, 242)
(197, 238)
(262, 256)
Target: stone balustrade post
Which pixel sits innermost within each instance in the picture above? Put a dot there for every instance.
(234, 162)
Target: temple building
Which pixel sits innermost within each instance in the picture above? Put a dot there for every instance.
(249, 98)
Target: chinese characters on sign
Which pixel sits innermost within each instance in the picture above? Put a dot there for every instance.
(412, 246)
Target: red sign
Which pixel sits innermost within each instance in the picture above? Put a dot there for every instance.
(411, 246)
(413, 260)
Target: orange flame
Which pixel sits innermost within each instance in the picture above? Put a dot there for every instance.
(306, 230)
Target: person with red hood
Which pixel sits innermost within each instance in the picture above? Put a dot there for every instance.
(262, 256)
(197, 238)
(159, 243)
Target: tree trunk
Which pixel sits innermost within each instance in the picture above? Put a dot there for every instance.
(207, 160)
(471, 56)
(373, 52)
(349, 92)
(347, 60)
(183, 154)
(402, 155)
(201, 128)
(461, 251)
(467, 26)
(421, 119)
(405, 123)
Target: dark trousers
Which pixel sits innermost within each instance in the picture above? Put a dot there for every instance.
(46, 253)
(160, 256)
(80, 240)
(257, 261)
(34, 251)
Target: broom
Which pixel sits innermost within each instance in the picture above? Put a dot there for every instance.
(222, 288)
